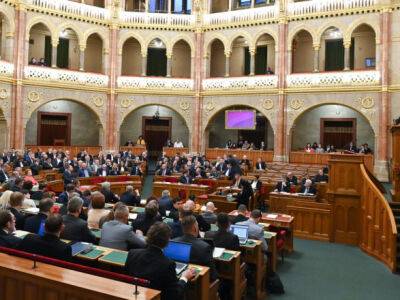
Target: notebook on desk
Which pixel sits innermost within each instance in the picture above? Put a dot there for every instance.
(242, 233)
(180, 253)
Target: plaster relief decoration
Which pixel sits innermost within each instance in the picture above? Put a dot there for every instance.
(209, 107)
(6, 68)
(3, 94)
(267, 104)
(366, 106)
(98, 101)
(184, 105)
(155, 83)
(296, 104)
(125, 103)
(240, 83)
(367, 102)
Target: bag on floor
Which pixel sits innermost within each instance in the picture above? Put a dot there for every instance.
(274, 284)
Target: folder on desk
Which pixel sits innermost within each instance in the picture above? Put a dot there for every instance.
(115, 257)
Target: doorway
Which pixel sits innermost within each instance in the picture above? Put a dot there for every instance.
(338, 132)
(156, 132)
(54, 129)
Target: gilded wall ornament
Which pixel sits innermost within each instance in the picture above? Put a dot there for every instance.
(296, 104)
(98, 101)
(267, 104)
(367, 102)
(184, 105)
(34, 96)
(3, 94)
(125, 103)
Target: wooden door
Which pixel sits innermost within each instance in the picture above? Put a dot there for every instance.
(338, 132)
(156, 132)
(54, 129)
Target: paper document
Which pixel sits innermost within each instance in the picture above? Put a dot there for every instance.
(218, 252)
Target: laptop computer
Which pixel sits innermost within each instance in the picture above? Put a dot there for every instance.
(81, 247)
(242, 232)
(180, 253)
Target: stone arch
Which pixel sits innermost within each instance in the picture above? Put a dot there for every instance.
(299, 28)
(31, 107)
(374, 25)
(370, 114)
(37, 20)
(72, 26)
(92, 31)
(261, 33)
(7, 12)
(243, 34)
(208, 42)
(161, 37)
(322, 29)
(129, 35)
(183, 38)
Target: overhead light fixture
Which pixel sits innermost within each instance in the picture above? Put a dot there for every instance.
(63, 33)
(156, 115)
(158, 43)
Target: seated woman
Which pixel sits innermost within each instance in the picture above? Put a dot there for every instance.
(29, 177)
(97, 211)
(308, 148)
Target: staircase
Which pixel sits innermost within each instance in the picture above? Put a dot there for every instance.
(396, 212)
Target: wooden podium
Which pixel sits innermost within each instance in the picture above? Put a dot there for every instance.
(396, 163)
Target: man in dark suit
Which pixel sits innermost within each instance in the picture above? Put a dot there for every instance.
(201, 252)
(130, 197)
(246, 192)
(282, 186)
(260, 165)
(7, 227)
(291, 179)
(83, 171)
(76, 229)
(3, 175)
(150, 216)
(152, 265)
(307, 188)
(321, 177)
(188, 209)
(136, 170)
(223, 238)
(221, 165)
(16, 201)
(103, 171)
(49, 244)
(165, 203)
(68, 175)
(186, 178)
(108, 194)
(33, 223)
(163, 171)
(241, 216)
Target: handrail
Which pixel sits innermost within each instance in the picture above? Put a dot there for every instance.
(377, 219)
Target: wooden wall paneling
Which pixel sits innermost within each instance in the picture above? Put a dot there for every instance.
(395, 162)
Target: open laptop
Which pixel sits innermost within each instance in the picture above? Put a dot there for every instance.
(180, 253)
(242, 232)
(81, 247)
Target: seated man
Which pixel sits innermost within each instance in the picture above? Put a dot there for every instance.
(201, 252)
(223, 238)
(151, 264)
(75, 228)
(241, 216)
(260, 165)
(188, 209)
(136, 170)
(35, 222)
(186, 178)
(16, 200)
(282, 186)
(256, 183)
(7, 228)
(49, 244)
(246, 192)
(118, 234)
(144, 220)
(321, 177)
(130, 197)
(307, 188)
(209, 216)
(255, 232)
(108, 194)
(163, 171)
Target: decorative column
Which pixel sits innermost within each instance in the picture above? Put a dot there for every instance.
(280, 153)
(227, 62)
(82, 57)
(192, 65)
(252, 52)
(347, 45)
(146, 6)
(381, 170)
(289, 58)
(316, 57)
(105, 61)
(230, 4)
(17, 130)
(252, 3)
(169, 64)
(144, 63)
(54, 45)
(169, 6)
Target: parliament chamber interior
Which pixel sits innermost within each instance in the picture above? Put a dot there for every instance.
(199, 149)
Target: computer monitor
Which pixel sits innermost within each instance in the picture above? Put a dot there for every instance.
(241, 231)
(178, 251)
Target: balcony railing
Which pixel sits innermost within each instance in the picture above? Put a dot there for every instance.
(242, 16)
(65, 76)
(240, 83)
(355, 78)
(318, 6)
(157, 19)
(6, 68)
(155, 83)
(74, 8)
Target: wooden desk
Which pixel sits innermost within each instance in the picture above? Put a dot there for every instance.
(19, 281)
(253, 155)
(220, 202)
(136, 150)
(176, 188)
(229, 268)
(120, 187)
(270, 237)
(312, 220)
(252, 254)
(171, 151)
